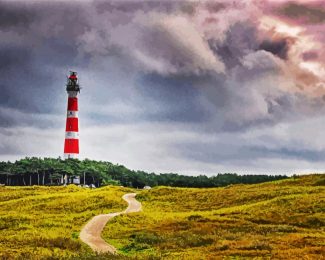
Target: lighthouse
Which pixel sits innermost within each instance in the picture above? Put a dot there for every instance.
(71, 142)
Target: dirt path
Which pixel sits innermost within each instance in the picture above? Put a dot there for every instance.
(90, 234)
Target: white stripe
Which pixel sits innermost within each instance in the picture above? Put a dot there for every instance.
(72, 93)
(72, 113)
(71, 135)
(71, 155)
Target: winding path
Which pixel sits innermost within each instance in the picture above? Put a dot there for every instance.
(91, 232)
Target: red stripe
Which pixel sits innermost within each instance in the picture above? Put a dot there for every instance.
(73, 104)
(72, 124)
(71, 146)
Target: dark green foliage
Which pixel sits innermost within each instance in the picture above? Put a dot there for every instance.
(49, 171)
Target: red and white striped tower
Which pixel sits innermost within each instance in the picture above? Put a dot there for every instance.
(71, 143)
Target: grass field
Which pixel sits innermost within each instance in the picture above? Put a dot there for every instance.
(44, 222)
(277, 220)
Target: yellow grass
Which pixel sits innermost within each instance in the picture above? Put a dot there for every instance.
(278, 220)
(44, 222)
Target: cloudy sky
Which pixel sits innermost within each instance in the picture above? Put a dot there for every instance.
(195, 87)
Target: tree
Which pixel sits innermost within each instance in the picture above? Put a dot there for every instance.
(28, 171)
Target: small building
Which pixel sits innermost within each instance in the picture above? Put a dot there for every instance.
(76, 180)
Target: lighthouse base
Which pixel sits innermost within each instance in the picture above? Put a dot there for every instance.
(70, 156)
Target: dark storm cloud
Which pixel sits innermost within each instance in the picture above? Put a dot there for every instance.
(12, 118)
(240, 38)
(181, 93)
(15, 65)
(310, 155)
(278, 47)
(234, 154)
(207, 67)
(25, 85)
(41, 41)
(311, 13)
(15, 16)
(215, 7)
(37, 46)
(180, 72)
(143, 6)
(13, 57)
(310, 55)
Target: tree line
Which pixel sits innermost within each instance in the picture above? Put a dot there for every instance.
(56, 171)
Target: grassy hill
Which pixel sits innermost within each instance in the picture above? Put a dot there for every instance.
(40, 222)
(279, 220)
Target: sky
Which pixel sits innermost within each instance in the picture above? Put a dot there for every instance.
(193, 87)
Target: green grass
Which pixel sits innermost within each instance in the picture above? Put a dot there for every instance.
(281, 220)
